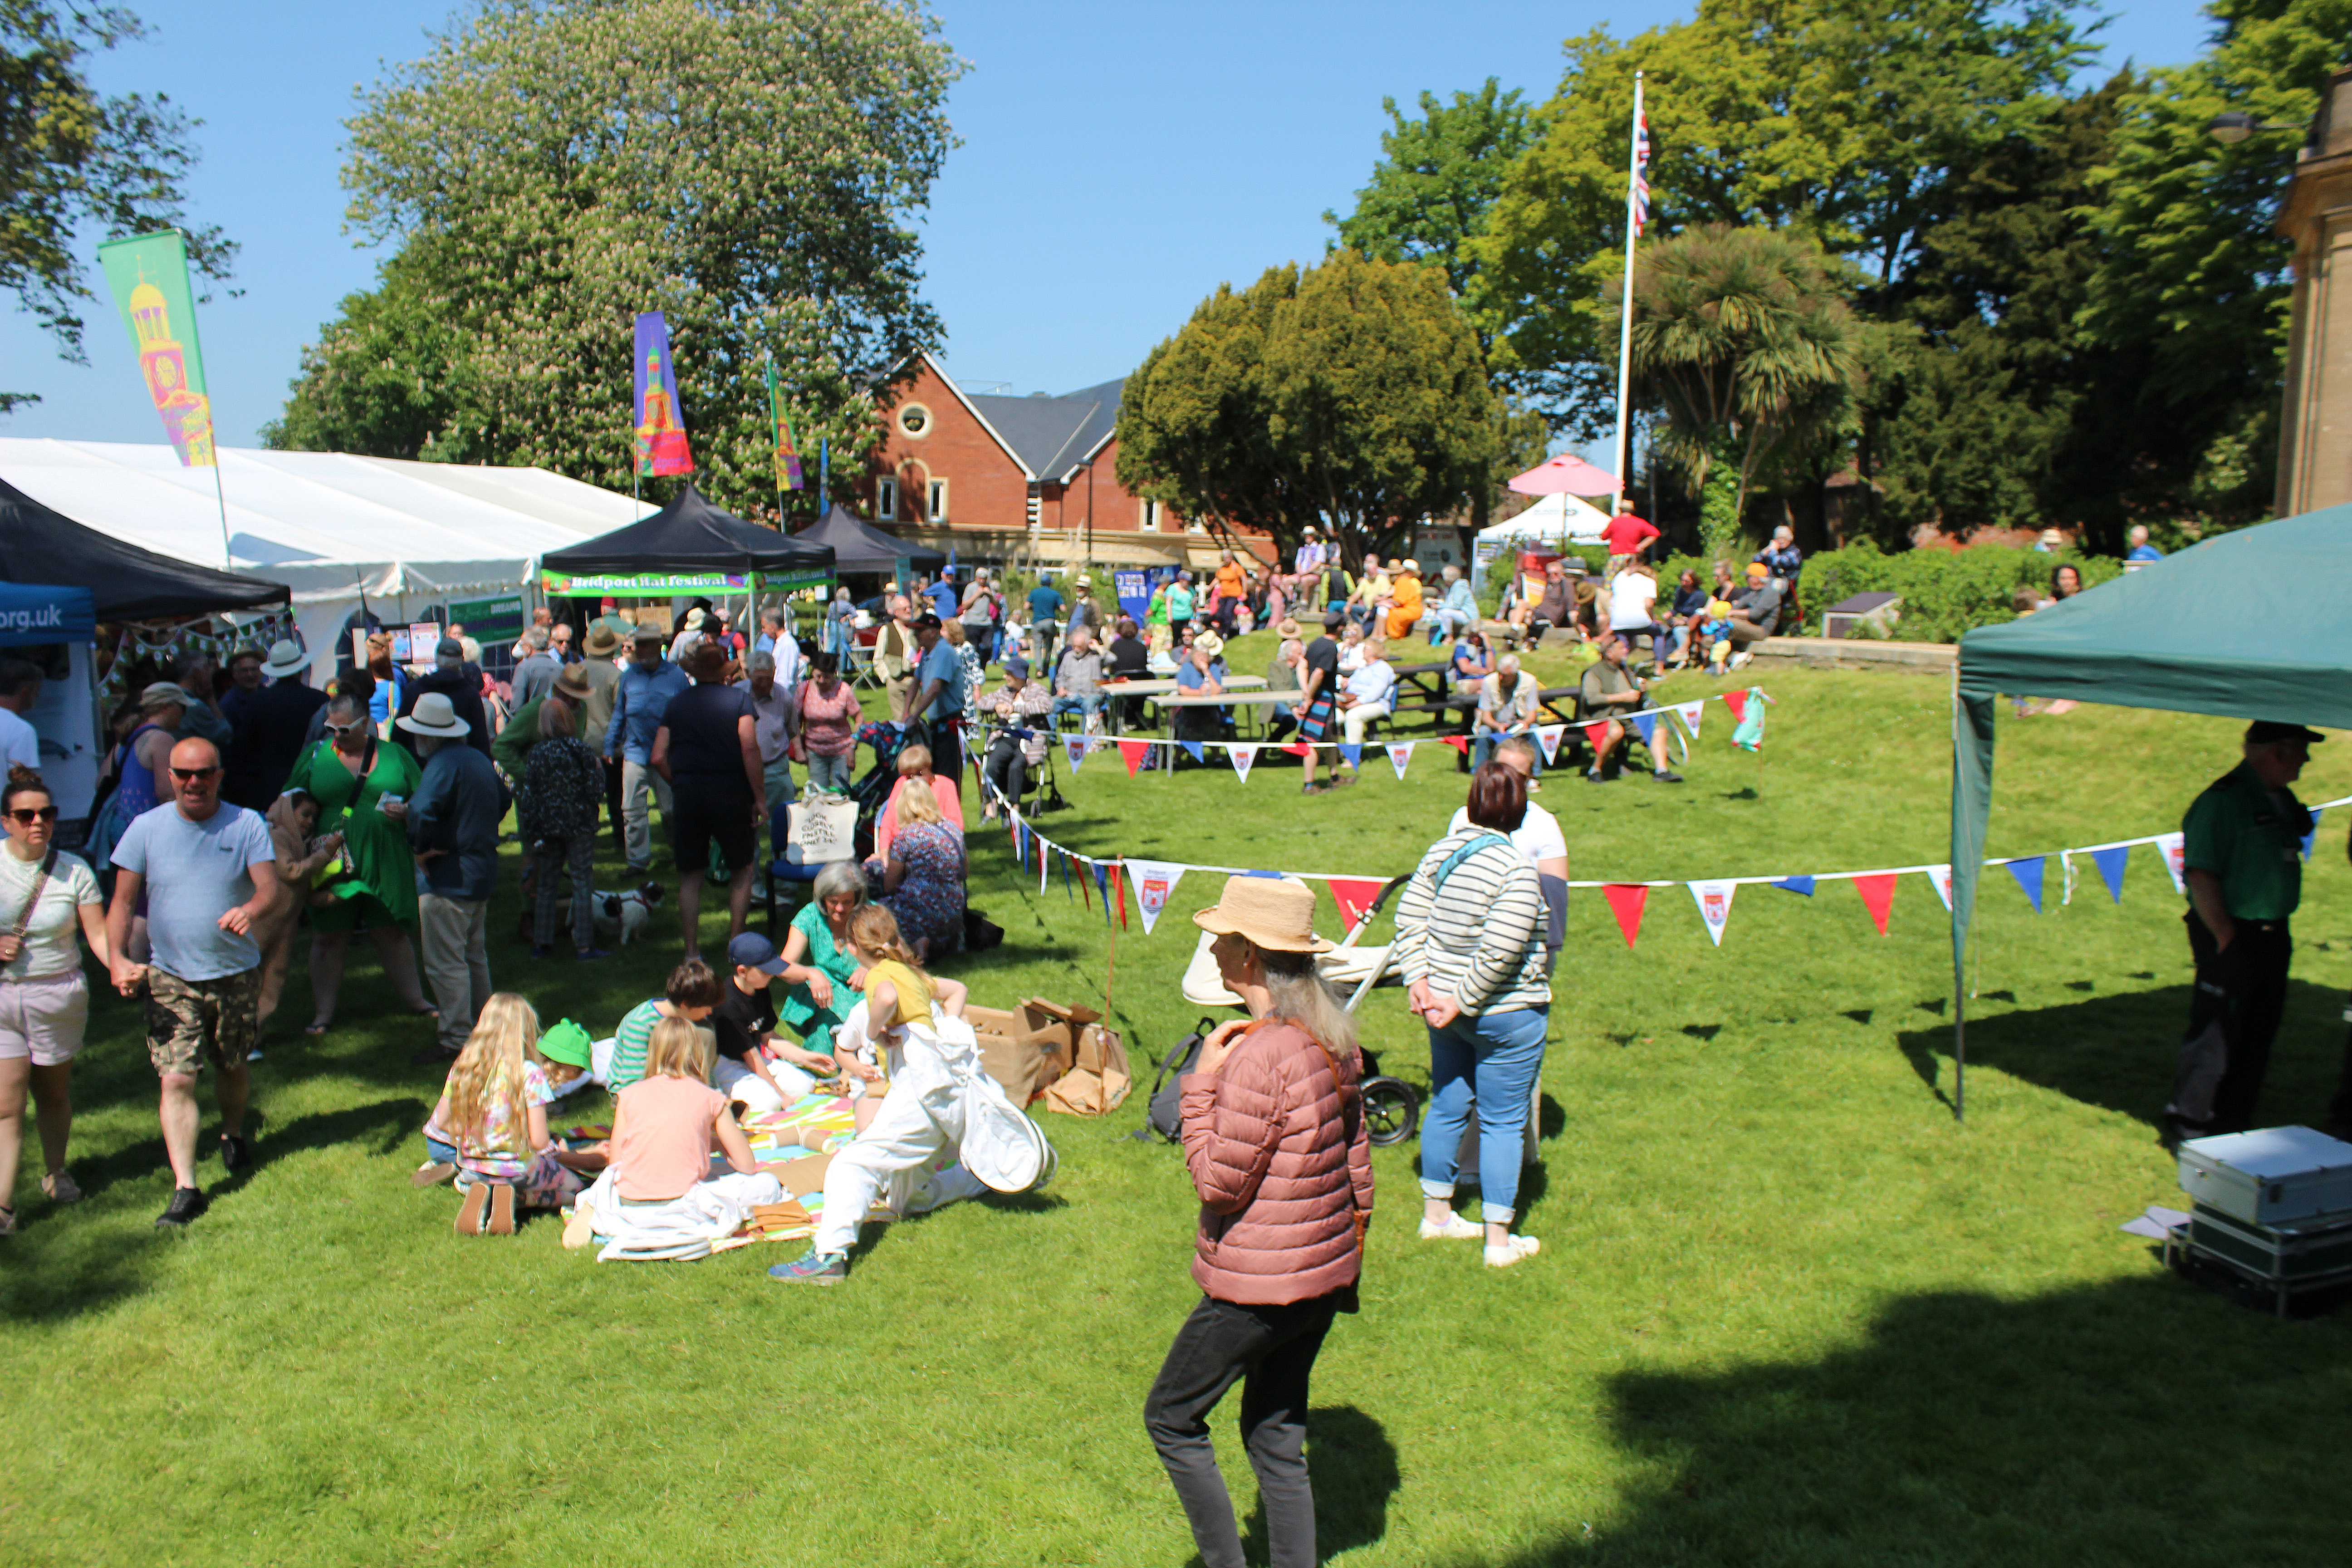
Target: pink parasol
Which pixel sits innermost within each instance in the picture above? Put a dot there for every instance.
(1566, 475)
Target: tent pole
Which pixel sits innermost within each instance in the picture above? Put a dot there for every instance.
(220, 498)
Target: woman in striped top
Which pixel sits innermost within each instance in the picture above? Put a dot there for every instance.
(1470, 945)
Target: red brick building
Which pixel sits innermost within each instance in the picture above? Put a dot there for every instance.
(998, 477)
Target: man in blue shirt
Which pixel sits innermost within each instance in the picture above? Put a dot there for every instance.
(453, 825)
(207, 872)
(535, 676)
(646, 688)
(1044, 621)
(2141, 552)
(938, 696)
(946, 600)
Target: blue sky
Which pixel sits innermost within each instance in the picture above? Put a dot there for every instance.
(1118, 161)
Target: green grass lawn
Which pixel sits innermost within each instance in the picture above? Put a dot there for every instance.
(1788, 1311)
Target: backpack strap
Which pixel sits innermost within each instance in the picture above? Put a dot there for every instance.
(1460, 853)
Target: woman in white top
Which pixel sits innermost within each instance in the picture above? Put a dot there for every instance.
(1633, 607)
(43, 1001)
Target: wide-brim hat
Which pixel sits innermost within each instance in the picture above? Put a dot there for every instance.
(602, 640)
(165, 694)
(432, 715)
(1209, 643)
(2266, 732)
(647, 632)
(286, 657)
(1406, 564)
(694, 619)
(1273, 912)
(1286, 627)
(573, 683)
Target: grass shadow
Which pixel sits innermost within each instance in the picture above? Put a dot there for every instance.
(1963, 1428)
(2117, 1051)
(1353, 1467)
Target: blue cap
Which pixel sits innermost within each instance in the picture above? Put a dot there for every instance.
(752, 951)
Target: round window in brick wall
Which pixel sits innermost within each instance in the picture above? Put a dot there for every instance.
(915, 420)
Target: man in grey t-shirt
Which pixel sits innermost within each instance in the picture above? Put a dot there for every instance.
(207, 871)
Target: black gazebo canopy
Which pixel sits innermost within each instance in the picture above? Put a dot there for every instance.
(690, 537)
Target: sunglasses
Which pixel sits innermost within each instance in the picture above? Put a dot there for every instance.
(354, 728)
(190, 775)
(27, 815)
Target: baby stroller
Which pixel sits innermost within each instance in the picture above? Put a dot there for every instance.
(871, 790)
(1391, 1106)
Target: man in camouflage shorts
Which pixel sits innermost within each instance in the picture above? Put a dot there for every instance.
(208, 871)
(190, 1021)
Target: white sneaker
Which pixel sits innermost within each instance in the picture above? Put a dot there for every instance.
(1739, 660)
(1455, 1228)
(1512, 1251)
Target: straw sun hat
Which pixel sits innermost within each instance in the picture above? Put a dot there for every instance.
(1273, 912)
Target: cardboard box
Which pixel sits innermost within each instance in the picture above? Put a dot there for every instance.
(1029, 1046)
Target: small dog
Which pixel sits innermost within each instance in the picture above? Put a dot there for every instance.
(620, 915)
(625, 914)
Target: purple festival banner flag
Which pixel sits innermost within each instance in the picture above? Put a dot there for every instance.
(660, 427)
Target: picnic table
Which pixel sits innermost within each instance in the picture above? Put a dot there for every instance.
(1428, 679)
(1158, 687)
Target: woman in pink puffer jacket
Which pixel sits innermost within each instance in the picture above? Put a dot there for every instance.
(1275, 1139)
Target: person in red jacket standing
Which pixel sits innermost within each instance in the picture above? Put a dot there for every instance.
(1274, 1140)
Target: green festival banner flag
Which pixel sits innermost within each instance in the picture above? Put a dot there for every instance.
(149, 277)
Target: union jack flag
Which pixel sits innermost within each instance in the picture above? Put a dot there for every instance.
(1639, 198)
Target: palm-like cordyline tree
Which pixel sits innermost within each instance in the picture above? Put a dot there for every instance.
(1745, 338)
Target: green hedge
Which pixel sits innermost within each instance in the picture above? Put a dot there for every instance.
(1945, 592)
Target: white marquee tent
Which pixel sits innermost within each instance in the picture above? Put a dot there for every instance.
(333, 528)
(1553, 520)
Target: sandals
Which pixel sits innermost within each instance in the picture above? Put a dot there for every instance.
(498, 1198)
(432, 1174)
(317, 1026)
(470, 1212)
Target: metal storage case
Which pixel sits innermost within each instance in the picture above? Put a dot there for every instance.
(2275, 1176)
(2281, 1255)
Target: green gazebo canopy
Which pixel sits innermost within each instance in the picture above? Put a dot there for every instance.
(2251, 624)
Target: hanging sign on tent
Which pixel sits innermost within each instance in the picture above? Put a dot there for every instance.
(661, 428)
(663, 585)
(489, 621)
(149, 275)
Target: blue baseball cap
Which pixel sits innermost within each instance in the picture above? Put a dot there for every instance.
(752, 951)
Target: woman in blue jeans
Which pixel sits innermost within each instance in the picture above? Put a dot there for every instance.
(1470, 945)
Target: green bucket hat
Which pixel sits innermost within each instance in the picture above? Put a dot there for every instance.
(567, 1043)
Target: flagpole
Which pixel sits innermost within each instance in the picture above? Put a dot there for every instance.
(220, 497)
(1625, 307)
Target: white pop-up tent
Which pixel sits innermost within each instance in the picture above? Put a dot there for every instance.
(405, 536)
(1553, 520)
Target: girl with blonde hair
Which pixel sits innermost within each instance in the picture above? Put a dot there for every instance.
(491, 1125)
(916, 775)
(657, 1197)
